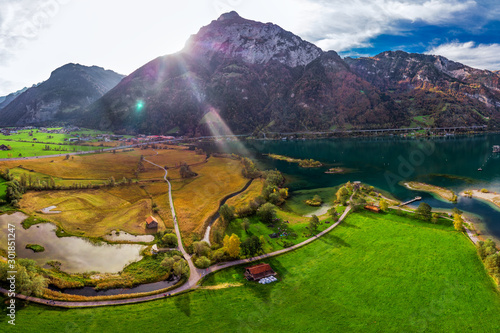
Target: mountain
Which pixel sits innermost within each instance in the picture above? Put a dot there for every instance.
(243, 75)
(433, 89)
(69, 88)
(5, 100)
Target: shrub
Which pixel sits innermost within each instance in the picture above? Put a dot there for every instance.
(202, 262)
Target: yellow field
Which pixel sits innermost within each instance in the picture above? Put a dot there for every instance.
(244, 198)
(94, 213)
(94, 166)
(197, 199)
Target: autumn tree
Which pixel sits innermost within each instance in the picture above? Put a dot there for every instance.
(458, 222)
(384, 205)
(233, 248)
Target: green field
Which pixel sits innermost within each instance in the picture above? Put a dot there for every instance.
(27, 149)
(374, 273)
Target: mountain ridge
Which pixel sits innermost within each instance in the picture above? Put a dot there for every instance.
(68, 88)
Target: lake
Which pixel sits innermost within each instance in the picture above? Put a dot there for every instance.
(450, 161)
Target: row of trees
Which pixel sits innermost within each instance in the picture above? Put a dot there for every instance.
(490, 256)
(29, 278)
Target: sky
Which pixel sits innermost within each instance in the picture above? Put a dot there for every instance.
(38, 36)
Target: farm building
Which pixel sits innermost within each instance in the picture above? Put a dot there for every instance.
(372, 208)
(257, 272)
(151, 223)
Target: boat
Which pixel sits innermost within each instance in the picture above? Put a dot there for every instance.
(480, 169)
(496, 149)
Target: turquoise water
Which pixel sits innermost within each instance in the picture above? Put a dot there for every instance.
(451, 162)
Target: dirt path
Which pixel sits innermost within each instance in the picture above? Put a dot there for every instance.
(195, 273)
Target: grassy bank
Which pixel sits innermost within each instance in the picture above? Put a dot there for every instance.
(374, 273)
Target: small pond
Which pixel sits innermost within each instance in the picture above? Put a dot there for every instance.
(75, 254)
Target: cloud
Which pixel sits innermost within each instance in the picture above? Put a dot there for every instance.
(24, 20)
(342, 25)
(483, 56)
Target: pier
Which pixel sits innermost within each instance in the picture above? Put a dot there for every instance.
(409, 202)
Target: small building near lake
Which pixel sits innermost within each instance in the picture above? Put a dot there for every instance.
(257, 272)
(151, 223)
(373, 208)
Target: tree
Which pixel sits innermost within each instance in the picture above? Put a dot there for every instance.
(186, 171)
(245, 224)
(384, 205)
(181, 268)
(226, 212)
(458, 222)
(342, 195)
(267, 213)
(251, 246)
(424, 212)
(202, 262)
(168, 263)
(201, 248)
(234, 246)
(486, 248)
(313, 224)
(169, 240)
(435, 218)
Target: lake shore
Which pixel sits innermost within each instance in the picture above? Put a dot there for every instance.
(491, 197)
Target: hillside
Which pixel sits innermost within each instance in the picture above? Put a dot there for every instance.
(5, 100)
(246, 75)
(69, 88)
(433, 89)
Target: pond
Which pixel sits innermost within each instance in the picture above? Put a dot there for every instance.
(76, 254)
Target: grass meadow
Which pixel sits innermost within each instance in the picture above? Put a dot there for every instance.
(374, 273)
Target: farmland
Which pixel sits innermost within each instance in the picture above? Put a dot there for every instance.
(197, 199)
(93, 213)
(374, 273)
(96, 212)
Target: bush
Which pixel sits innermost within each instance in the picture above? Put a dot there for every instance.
(169, 240)
(202, 262)
(485, 190)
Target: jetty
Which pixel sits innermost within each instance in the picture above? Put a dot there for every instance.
(410, 201)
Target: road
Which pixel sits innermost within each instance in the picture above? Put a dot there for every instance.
(195, 273)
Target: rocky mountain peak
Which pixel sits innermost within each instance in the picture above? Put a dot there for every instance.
(229, 16)
(232, 36)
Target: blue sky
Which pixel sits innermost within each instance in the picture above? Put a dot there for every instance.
(38, 36)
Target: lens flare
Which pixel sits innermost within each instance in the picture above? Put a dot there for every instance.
(222, 133)
(139, 105)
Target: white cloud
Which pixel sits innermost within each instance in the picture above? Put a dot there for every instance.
(483, 56)
(342, 25)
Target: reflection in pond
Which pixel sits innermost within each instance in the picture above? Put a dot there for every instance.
(124, 236)
(75, 254)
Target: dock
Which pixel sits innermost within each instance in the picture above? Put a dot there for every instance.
(410, 201)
